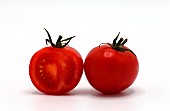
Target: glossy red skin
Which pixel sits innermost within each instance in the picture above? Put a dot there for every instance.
(56, 71)
(110, 71)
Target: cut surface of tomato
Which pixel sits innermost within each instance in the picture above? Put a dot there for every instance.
(55, 70)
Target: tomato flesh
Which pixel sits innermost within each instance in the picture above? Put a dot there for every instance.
(56, 70)
(110, 71)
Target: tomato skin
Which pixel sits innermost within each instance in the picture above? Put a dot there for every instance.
(56, 70)
(110, 71)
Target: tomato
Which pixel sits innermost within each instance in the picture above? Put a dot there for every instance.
(111, 68)
(56, 69)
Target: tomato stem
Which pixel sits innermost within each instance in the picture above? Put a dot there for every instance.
(118, 46)
(114, 41)
(49, 40)
(123, 43)
(59, 43)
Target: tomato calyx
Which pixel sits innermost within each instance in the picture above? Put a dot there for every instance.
(60, 43)
(118, 46)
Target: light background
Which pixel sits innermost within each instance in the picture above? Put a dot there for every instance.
(146, 23)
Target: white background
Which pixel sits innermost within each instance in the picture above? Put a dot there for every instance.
(146, 23)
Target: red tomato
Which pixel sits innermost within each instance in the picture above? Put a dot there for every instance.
(111, 68)
(56, 69)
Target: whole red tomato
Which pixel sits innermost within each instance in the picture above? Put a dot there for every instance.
(56, 69)
(111, 68)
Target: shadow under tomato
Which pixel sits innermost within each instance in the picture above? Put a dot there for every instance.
(36, 92)
(92, 92)
(126, 93)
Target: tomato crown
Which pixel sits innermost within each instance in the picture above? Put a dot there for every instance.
(60, 43)
(118, 46)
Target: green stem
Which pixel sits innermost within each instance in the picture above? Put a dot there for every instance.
(118, 46)
(59, 43)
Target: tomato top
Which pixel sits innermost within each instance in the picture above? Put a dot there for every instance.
(119, 46)
(59, 43)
